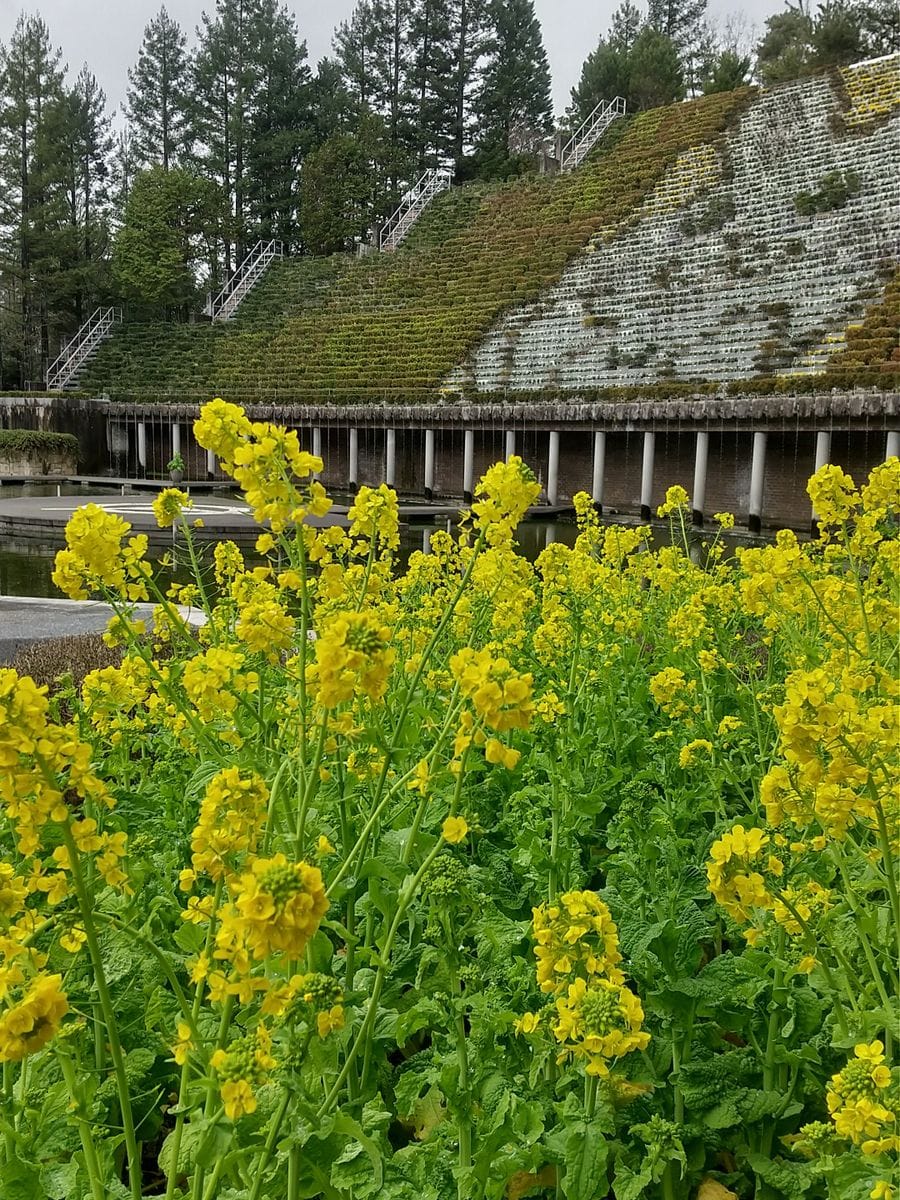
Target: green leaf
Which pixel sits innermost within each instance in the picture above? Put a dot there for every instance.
(586, 1153)
(629, 1185)
(21, 1181)
(346, 1124)
(793, 1180)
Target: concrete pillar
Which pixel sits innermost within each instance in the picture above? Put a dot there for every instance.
(468, 465)
(429, 465)
(823, 454)
(647, 474)
(176, 439)
(210, 464)
(353, 473)
(317, 442)
(599, 472)
(757, 479)
(509, 444)
(550, 534)
(426, 541)
(701, 458)
(390, 456)
(553, 468)
(142, 446)
(892, 450)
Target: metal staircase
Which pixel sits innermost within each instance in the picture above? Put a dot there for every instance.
(586, 137)
(415, 201)
(223, 306)
(69, 363)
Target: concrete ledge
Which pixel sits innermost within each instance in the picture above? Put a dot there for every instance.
(25, 620)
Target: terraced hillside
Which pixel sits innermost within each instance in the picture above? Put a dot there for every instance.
(756, 256)
(738, 235)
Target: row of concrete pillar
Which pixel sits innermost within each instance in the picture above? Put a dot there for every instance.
(701, 459)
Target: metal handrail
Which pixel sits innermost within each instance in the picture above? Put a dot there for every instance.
(80, 346)
(584, 138)
(252, 266)
(430, 184)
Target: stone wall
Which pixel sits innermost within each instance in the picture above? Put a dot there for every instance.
(724, 273)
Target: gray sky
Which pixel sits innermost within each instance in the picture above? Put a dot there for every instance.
(107, 34)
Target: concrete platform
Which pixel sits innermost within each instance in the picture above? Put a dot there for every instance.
(24, 620)
(45, 517)
(118, 482)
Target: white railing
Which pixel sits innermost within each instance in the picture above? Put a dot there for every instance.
(223, 306)
(75, 353)
(586, 137)
(419, 196)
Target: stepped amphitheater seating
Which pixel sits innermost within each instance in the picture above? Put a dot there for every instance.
(676, 252)
(718, 276)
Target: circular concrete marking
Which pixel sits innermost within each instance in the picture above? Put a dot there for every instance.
(45, 517)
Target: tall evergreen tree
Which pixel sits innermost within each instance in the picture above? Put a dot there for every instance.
(434, 84)
(90, 146)
(252, 119)
(514, 94)
(33, 179)
(280, 123)
(682, 22)
(157, 106)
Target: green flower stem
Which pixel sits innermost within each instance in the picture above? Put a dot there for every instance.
(85, 1129)
(115, 1047)
(197, 1192)
(213, 1184)
(269, 1148)
(9, 1104)
(884, 842)
(406, 897)
(273, 806)
(199, 989)
(861, 933)
(591, 1083)
(312, 786)
(195, 566)
(463, 1123)
(260, 1167)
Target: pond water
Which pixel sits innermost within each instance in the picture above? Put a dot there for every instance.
(26, 563)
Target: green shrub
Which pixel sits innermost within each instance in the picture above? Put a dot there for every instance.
(36, 441)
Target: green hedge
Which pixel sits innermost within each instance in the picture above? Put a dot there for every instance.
(36, 441)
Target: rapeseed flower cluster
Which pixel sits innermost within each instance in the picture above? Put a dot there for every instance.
(31, 1014)
(263, 459)
(241, 1068)
(98, 557)
(597, 1018)
(863, 1101)
(503, 497)
(232, 814)
(353, 654)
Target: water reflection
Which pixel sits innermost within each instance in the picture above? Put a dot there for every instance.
(26, 564)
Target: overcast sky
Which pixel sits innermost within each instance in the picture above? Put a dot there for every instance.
(107, 33)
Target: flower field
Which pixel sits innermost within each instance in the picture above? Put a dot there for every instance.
(482, 881)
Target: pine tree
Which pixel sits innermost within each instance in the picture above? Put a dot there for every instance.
(33, 180)
(157, 106)
(90, 147)
(681, 21)
(514, 95)
(434, 90)
(252, 118)
(469, 31)
(625, 26)
(280, 123)
(654, 71)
